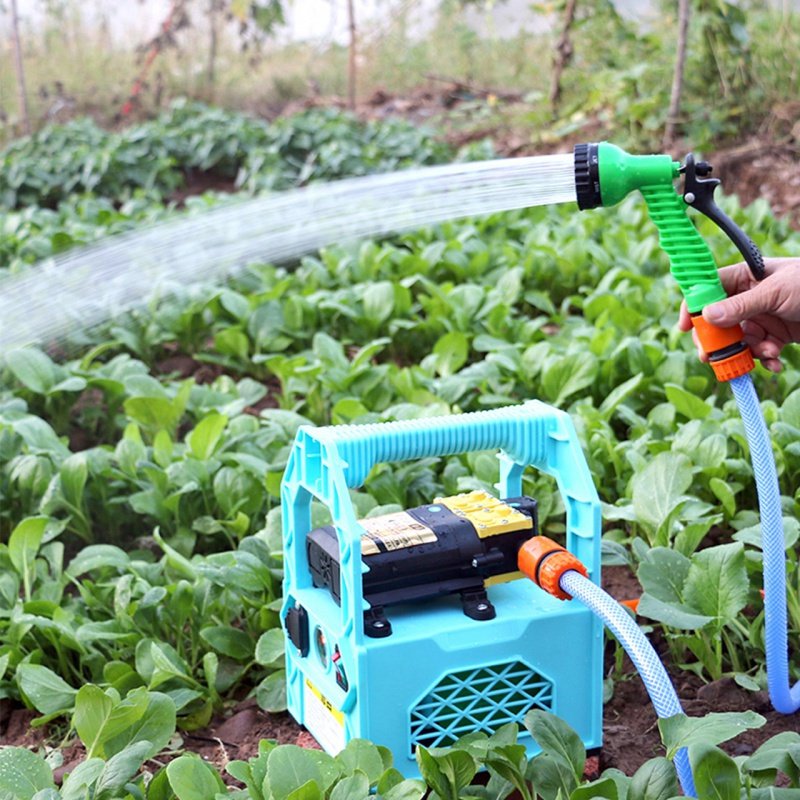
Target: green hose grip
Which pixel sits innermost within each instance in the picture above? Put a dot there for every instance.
(691, 262)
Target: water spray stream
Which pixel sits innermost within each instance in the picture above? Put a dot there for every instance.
(84, 287)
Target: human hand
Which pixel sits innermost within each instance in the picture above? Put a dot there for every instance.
(768, 310)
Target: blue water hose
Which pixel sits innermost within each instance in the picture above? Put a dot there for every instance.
(641, 652)
(785, 699)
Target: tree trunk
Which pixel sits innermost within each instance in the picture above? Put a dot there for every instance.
(213, 44)
(684, 10)
(22, 92)
(563, 55)
(351, 64)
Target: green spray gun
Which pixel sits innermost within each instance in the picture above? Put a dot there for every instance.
(605, 174)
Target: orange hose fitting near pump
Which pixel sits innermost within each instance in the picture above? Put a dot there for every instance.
(729, 356)
(545, 561)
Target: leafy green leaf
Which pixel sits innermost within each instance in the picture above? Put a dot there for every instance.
(192, 779)
(682, 731)
(288, 768)
(271, 692)
(567, 376)
(447, 773)
(660, 487)
(717, 583)
(451, 352)
(656, 779)
(687, 403)
(85, 775)
(351, 787)
(99, 718)
(361, 755)
(552, 776)
(556, 738)
(715, 773)
(24, 542)
(156, 726)
(120, 768)
(48, 692)
(724, 493)
(205, 436)
(270, 647)
(33, 369)
(230, 642)
(406, 790)
(604, 787)
(22, 774)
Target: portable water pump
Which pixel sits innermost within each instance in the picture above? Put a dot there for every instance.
(415, 629)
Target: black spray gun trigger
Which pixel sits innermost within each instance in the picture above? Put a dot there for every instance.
(698, 192)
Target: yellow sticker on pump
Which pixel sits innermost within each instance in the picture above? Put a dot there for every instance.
(488, 515)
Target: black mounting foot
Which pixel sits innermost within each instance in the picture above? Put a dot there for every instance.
(376, 624)
(477, 606)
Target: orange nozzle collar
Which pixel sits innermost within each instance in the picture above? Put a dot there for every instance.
(728, 355)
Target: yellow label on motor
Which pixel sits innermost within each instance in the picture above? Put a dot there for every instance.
(326, 704)
(488, 515)
(323, 719)
(506, 577)
(393, 532)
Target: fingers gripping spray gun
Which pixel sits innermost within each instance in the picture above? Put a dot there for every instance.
(604, 175)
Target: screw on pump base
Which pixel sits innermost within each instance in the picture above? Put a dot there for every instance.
(545, 561)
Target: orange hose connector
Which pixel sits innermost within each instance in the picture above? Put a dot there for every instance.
(545, 561)
(715, 341)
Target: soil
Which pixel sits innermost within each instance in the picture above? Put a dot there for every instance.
(196, 182)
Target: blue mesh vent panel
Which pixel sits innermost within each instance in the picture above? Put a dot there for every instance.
(480, 699)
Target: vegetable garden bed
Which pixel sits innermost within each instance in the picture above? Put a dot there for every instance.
(140, 463)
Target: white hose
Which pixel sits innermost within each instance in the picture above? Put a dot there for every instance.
(785, 698)
(641, 652)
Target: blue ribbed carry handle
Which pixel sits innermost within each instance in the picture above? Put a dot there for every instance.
(326, 462)
(521, 434)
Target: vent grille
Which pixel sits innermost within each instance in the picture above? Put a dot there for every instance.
(482, 699)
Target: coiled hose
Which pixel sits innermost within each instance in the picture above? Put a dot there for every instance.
(641, 652)
(784, 699)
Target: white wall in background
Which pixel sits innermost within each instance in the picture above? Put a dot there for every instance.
(135, 21)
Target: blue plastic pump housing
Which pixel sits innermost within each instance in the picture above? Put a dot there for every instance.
(441, 674)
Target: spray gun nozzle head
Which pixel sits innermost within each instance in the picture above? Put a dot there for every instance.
(587, 176)
(605, 174)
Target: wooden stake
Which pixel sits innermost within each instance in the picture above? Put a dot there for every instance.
(22, 92)
(351, 66)
(684, 10)
(211, 72)
(563, 55)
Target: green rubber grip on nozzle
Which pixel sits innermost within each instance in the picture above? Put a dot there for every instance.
(691, 261)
